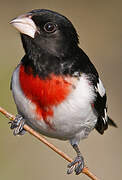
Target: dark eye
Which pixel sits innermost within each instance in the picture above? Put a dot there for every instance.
(50, 27)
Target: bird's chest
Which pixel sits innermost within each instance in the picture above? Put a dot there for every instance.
(44, 93)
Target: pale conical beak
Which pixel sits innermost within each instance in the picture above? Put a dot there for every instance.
(25, 25)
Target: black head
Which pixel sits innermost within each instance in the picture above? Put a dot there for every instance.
(46, 31)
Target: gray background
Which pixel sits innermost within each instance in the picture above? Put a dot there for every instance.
(99, 25)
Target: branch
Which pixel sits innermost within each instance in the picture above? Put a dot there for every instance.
(43, 140)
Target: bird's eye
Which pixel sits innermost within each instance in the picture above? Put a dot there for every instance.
(50, 27)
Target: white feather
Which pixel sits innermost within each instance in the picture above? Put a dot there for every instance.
(100, 88)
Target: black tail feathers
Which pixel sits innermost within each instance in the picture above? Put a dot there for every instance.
(111, 122)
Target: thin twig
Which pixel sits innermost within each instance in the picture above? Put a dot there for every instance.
(42, 139)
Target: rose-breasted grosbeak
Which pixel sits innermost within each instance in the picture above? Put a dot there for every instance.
(56, 88)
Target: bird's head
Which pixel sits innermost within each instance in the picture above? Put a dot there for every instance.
(46, 31)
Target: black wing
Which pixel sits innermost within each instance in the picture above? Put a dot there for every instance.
(101, 108)
(99, 104)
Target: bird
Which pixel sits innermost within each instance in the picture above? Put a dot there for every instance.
(56, 88)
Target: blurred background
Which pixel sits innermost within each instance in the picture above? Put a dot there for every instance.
(99, 25)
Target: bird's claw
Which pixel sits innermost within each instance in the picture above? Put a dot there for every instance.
(17, 124)
(77, 165)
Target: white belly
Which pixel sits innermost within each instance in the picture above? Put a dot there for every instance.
(73, 119)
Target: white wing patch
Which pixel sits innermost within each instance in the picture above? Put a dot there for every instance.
(105, 119)
(100, 88)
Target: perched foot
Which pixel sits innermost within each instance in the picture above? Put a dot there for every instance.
(18, 125)
(78, 164)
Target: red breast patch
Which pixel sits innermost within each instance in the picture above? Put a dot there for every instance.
(45, 93)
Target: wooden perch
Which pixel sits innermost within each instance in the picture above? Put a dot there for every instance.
(42, 139)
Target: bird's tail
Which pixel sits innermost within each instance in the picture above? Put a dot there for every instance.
(111, 122)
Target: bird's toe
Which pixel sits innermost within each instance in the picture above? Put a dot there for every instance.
(77, 165)
(18, 125)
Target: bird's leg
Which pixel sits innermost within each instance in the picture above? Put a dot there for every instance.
(17, 124)
(78, 163)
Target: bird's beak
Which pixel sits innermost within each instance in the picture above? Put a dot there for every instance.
(25, 25)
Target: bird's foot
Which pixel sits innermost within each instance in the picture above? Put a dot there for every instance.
(18, 125)
(77, 165)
